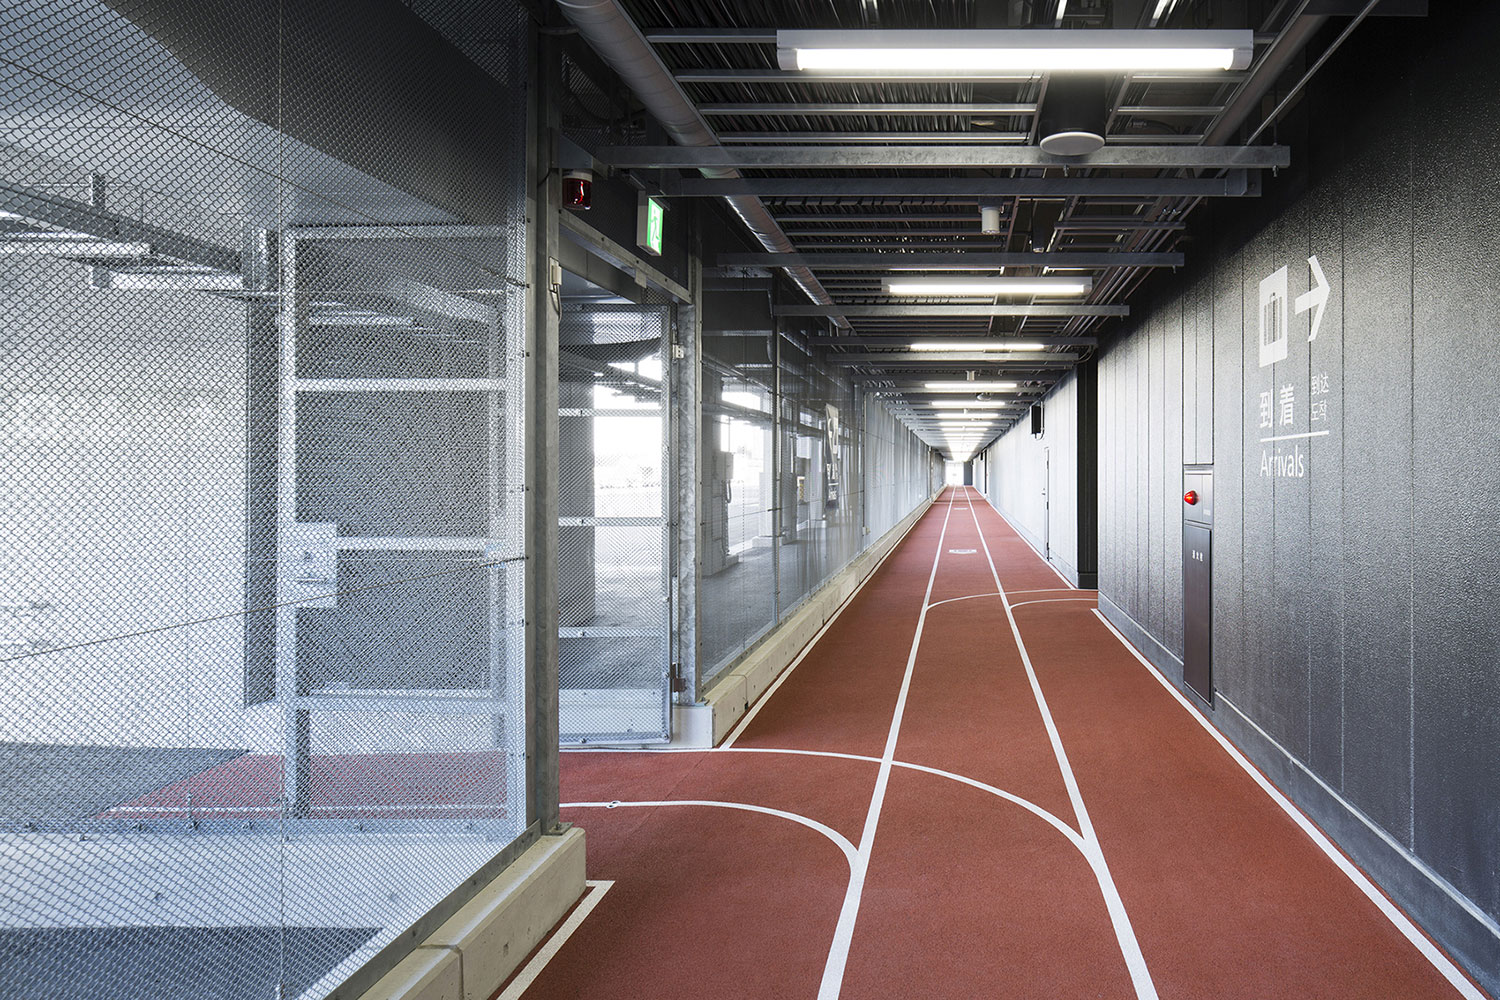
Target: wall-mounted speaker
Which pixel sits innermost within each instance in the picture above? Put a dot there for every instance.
(1036, 419)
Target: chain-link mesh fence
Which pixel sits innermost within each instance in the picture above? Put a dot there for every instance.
(737, 491)
(261, 470)
(799, 470)
(613, 611)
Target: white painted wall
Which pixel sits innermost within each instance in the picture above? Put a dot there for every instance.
(1033, 481)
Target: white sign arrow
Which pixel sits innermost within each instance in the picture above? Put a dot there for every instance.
(1316, 298)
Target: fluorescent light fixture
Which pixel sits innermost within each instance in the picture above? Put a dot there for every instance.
(968, 386)
(977, 406)
(936, 267)
(975, 345)
(1008, 53)
(987, 288)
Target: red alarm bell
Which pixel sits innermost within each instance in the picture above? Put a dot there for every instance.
(578, 190)
(1190, 497)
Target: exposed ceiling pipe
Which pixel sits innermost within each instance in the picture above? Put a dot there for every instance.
(1288, 44)
(613, 35)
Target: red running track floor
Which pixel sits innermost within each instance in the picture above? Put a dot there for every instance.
(979, 875)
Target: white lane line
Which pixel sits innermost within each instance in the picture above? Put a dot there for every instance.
(1135, 961)
(765, 695)
(1054, 590)
(968, 597)
(1055, 600)
(1402, 922)
(843, 935)
(838, 839)
(1045, 561)
(523, 980)
(1028, 805)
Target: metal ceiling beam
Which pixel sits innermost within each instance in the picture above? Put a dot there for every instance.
(65, 214)
(989, 359)
(1194, 110)
(912, 385)
(867, 232)
(967, 217)
(1236, 183)
(731, 74)
(936, 157)
(1105, 229)
(865, 243)
(884, 262)
(933, 138)
(609, 31)
(868, 108)
(902, 340)
(711, 36)
(949, 310)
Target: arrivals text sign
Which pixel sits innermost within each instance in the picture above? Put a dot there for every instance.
(1291, 410)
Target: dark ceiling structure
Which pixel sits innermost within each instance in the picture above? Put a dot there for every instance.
(860, 184)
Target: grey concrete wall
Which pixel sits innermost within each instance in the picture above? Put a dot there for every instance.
(1356, 543)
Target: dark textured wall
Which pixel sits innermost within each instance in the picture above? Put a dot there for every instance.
(1355, 611)
(1056, 515)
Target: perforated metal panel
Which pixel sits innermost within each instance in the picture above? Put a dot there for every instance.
(261, 415)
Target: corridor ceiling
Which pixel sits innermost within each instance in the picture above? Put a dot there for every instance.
(853, 181)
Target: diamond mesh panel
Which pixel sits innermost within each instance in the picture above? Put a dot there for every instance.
(798, 472)
(736, 494)
(261, 599)
(820, 529)
(613, 613)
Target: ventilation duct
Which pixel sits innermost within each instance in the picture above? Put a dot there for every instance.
(1073, 115)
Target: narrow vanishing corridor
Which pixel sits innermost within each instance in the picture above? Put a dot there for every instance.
(968, 787)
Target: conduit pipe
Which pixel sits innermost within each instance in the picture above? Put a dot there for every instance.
(1288, 44)
(613, 35)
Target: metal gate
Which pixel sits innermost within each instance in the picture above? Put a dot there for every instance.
(398, 500)
(614, 524)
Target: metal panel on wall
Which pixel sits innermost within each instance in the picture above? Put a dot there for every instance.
(1354, 544)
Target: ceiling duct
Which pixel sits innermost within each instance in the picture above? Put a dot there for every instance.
(1074, 115)
(613, 35)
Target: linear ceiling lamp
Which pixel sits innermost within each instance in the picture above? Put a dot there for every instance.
(986, 288)
(975, 345)
(967, 407)
(1003, 53)
(971, 386)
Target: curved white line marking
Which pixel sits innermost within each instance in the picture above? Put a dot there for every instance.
(1130, 948)
(1402, 922)
(839, 840)
(1026, 804)
(1054, 600)
(968, 597)
(1056, 590)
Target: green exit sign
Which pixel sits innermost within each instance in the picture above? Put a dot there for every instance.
(649, 219)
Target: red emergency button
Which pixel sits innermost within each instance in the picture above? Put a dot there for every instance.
(1190, 497)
